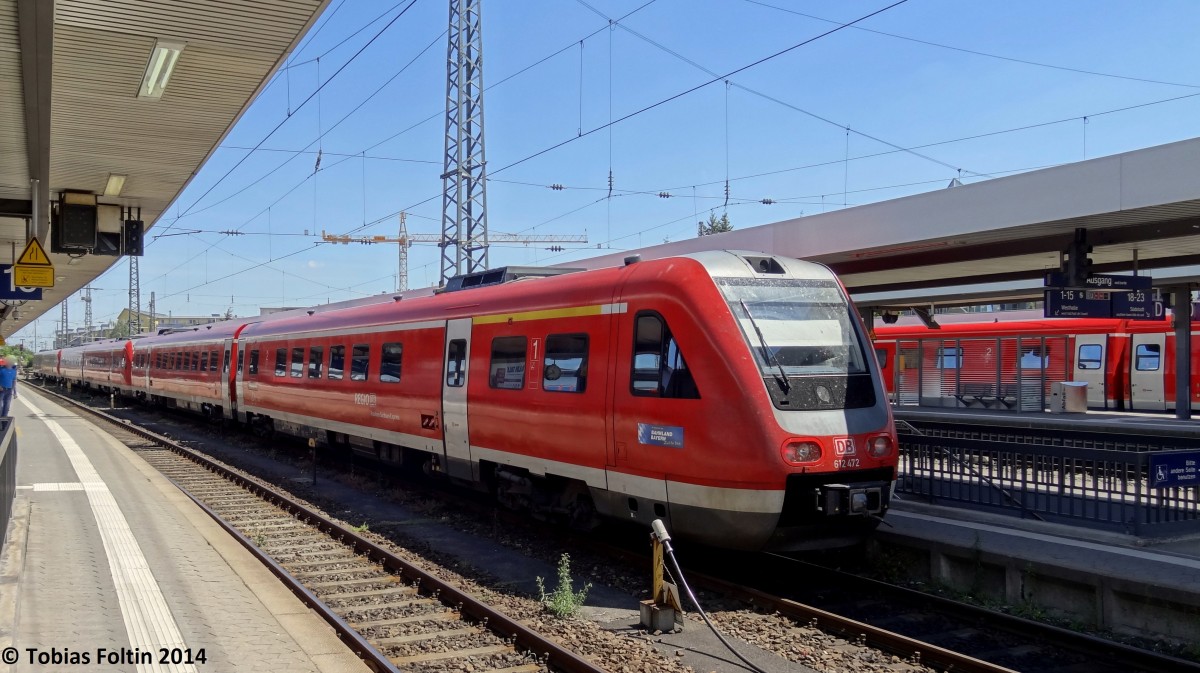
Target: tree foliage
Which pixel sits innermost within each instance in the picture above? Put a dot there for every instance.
(715, 225)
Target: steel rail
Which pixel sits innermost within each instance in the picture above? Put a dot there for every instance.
(550, 651)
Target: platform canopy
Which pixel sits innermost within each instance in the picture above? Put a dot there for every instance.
(123, 100)
(995, 240)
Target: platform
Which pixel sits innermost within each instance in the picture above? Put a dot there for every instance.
(108, 563)
(1156, 424)
(1134, 586)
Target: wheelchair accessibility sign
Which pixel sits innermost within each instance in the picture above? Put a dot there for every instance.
(1175, 469)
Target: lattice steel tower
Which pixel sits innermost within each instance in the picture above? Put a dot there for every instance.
(135, 297)
(87, 314)
(464, 200)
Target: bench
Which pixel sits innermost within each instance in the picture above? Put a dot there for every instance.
(976, 393)
(985, 395)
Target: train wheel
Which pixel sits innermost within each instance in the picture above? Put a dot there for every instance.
(581, 512)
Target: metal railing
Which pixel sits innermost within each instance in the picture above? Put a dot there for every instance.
(1103, 484)
(8, 474)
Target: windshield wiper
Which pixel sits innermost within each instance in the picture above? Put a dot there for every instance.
(782, 378)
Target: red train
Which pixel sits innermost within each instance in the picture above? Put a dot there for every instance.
(570, 395)
(1127, 364)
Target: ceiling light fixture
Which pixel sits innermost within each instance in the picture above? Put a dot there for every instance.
(158, 69)
(114, 185)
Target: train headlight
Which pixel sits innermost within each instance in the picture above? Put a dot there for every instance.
(798, 452)
(880, 446)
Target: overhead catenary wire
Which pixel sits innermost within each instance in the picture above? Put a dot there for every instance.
(283, 121)
(702, 85)
(982, 53)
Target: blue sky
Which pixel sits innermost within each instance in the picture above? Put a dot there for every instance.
(777, 130)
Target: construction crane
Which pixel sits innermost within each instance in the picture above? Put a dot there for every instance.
(406, 240)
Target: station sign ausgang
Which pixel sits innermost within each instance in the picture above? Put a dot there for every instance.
(1101, 282)
(1136, 305)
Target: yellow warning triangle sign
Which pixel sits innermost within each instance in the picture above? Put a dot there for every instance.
(34, 255)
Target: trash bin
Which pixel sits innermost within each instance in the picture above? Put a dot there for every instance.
(1069, 397)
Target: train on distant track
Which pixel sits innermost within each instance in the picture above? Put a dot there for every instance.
(732, 395)
(1128, 364)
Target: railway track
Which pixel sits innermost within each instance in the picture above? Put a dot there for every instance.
(392, 613)
(918, 629)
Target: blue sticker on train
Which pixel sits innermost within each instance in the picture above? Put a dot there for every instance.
(660, 435)
(1175, 469)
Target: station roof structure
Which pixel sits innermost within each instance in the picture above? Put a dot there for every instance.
(89, 103)
(994, 241)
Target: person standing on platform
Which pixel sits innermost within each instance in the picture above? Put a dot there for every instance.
(8, 385)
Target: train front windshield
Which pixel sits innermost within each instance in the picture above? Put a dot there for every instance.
(800, 326)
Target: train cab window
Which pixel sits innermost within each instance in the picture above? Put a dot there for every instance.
(565, 368)
(254, 361)
(1146, 357)
(337, 362)
(297, 363)
(659, 369)
(280, 361)
(456, 361)
(389, 363)
(949, 357)
(360, 362)
(507, 369)
(316, 357)
(1090, 356)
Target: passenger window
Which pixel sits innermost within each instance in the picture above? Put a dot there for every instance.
(280, 361)
(1033, 358)
(360, 362)
(659, 369)
(316, 357)
(204, 361)
(508, 363)
(1146, 358)
(1090, 356)
(241, 363)
(949, 358)
(297, 363)
(456, 359)
(881, 357)
(225, 366)
(389, 363)
(195, 361)
(254, 361)
(337, 361)
(565, 368)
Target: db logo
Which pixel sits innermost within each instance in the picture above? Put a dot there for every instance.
(843, 446)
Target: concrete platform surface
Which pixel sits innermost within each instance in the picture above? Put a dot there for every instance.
(1141, 587)
(109, 567)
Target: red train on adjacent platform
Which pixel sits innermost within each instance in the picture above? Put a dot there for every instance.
(1127, 364)
(731, 394)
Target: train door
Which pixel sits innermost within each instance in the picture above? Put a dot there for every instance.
(1091, 366)
(454, 399)
(228, 396)
(1147, 372)
(652, 410)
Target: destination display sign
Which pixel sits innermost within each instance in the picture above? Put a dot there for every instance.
(1137, 305)
(1102, 282)
(1077, 304)
(1175, 469)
